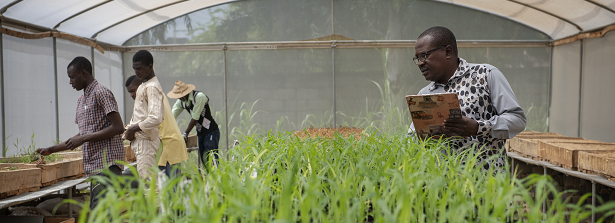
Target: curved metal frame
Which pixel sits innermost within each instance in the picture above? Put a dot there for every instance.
(137, 15)
(548, 13)
(5, 8)
(81, 12)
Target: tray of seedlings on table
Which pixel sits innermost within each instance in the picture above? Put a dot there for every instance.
(30, 171)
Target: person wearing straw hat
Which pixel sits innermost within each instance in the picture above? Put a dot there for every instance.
(197, 105)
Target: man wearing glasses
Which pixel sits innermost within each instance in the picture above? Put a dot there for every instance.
(490, 111)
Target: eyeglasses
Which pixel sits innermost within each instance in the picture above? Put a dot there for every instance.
(423, 56)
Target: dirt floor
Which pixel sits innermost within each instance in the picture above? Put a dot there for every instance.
(328, 133)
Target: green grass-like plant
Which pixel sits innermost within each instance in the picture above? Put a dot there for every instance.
(378, 178)
(29, 154)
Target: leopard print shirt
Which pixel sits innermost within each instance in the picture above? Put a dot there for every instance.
(470, 84)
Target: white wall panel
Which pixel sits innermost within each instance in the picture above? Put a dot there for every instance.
(67, 96)
(564, 113)
(1, 100)
(597, 104)
(29, 93)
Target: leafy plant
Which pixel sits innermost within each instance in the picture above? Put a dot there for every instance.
(537, 118)
(5, 148)
(378, 178)
(8, 168)
(29, 154)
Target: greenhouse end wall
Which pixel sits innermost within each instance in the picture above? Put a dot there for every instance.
(289, 90)
(582, 89)
(597, 80)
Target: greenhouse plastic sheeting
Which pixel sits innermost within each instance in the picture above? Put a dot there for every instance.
(88, 18)
(117, 21)
(582, 84)
(29, 93)
(67, 96)
(597, 80)
(564, 115)
(558, 19)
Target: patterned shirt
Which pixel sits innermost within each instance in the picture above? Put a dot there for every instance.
(92, 109)
(485, 96)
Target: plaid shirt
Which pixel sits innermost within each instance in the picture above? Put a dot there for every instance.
(92, 109)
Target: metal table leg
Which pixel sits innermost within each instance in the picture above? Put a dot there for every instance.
(70, 206)
(593, 201)
(544, 202)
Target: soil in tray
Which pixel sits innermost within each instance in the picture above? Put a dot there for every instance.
(32, 159)
(329, 133)
(37, 159)
(8, 168)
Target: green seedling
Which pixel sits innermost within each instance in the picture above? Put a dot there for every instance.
(279, 177)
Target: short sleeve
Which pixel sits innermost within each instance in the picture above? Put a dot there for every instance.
(106, 100)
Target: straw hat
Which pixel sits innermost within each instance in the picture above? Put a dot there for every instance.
(180, 89)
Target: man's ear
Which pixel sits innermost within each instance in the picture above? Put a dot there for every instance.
(449, 51)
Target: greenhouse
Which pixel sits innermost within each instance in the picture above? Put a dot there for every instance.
(309, 97)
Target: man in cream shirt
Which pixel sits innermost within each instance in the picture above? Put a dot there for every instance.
(173, 144)
(147, 115)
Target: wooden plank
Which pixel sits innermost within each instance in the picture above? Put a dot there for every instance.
(52, 172)
(601, 163)
(566, 154)
(529, 133)
(19, 181)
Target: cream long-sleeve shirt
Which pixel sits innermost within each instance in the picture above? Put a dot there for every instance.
(148, 111)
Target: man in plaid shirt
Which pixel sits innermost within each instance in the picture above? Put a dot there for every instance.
(100, 126)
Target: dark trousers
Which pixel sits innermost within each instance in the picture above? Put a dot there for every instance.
(208, 146)
(97, 190)
(170, 170)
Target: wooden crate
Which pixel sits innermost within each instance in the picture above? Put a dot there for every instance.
(63, 170)
(192, 141)
(13, 182)
(71, 155)
(566, 154)
(130, 155)
(598, 162)
(529, 133)
(526, 143)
